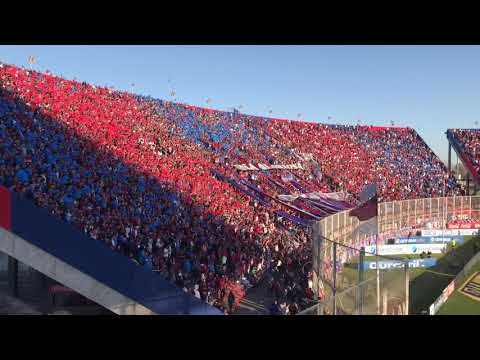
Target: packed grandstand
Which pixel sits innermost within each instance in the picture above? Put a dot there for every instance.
(467, 143)
(210, 199)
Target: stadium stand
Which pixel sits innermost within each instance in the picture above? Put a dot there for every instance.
(466, 143)
(166, 183)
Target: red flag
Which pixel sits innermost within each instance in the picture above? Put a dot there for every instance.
(367, 210)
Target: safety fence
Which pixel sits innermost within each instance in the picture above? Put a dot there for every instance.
(355, 282)
(351, 281)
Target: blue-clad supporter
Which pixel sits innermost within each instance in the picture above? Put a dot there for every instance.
(23, 176)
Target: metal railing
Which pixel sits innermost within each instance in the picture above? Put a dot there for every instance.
(355, 282)
(397, 216)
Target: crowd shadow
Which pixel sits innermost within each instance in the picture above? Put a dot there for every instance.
(108, 164)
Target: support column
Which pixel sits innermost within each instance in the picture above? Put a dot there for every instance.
(13, 276)
(468, 183)
(334, 278)
(361, 285)
(407, 289)
(449, 157)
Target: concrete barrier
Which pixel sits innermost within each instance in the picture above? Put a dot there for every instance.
(60, 271)
(88, 266)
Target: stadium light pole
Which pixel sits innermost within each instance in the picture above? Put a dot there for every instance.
(378, 275)
(334, 278)
(446, 200)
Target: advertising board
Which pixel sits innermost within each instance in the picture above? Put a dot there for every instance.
(405, 249)
(392, 264)
(464, 225)
(471, 288)
(429, 239)
(440, 232)
(442, 298)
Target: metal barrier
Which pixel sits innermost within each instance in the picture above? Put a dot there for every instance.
(398, 215)
(339, 238)
(354, 282)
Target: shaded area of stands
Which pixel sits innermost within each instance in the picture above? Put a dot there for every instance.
(73, 243)
(94, 258)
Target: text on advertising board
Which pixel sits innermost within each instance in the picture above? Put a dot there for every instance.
(392, 264)
(429, 239)
(439, 232)
(405, 249)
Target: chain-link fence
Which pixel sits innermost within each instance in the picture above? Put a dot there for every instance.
(395, 216)
(354, 282)
(426, 213)
(348, 281)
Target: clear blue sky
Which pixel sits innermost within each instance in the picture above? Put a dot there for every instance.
(429, 88)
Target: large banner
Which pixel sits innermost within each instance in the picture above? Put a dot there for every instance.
(405, 249)
(459, 232)
(338, 196)
(392, 264)
(251, 167)
(243, 167)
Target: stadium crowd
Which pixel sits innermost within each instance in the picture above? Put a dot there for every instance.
(469, 143)
(357, 155)
(85, 153)
(346, 157)
(156, 180)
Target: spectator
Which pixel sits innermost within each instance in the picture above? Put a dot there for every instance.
(275, 309)
(231, 301)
